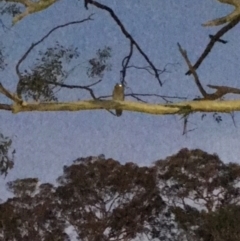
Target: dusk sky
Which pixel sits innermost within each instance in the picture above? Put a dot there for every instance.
(45, 142)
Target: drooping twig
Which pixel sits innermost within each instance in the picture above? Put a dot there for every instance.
(125, 63)
(233, 119)
(148, 69)
(213, 40)
(185, 125)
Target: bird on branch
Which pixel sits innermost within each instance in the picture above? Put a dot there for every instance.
(118, 94)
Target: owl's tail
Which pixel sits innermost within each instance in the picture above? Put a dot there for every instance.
(118, 112)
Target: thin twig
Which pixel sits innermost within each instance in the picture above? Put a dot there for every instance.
(87, 87)
(125, 63)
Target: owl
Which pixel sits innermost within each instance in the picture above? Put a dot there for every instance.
(118, 94)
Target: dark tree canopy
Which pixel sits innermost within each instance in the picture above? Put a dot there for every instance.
(192, 195)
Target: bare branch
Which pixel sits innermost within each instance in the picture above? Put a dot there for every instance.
(5, 107)
(164, 97)
(31, 7)
(127, 35)
(125, 63)
(87, 87)
(137, 98)
(213, 40)
(197, 81)
(11, 96)
(93, 83)
(220, 90)
(147, 68)
(229, 18)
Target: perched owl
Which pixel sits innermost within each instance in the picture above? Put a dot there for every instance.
(118, 94)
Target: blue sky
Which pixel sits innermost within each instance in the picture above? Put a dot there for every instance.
(44, 142)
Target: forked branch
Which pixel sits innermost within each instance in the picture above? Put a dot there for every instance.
(220, 90)
(215, 38)
(127, 34)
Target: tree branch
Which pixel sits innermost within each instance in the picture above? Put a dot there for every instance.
(31, 7)
(5, 107)
(229, 18)
(125, 63)
(154, 109)
(11, 96)
(87, 87)
(220, 90)
(197, 81)
(127, 35)
(213, 40)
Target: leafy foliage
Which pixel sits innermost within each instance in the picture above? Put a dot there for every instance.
(6, 162)
(99, 64)
(3, 63)
(39, 84)
(100, 199)
(20, 188)
(200, 188)
(12, 9)
(222, 225)
(110, 196)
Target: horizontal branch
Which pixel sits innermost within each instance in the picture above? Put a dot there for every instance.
(154, 109)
